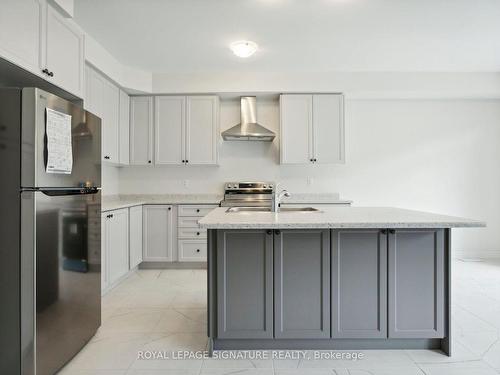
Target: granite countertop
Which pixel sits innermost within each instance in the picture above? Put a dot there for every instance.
(115, 202)
(124, 201)
(334, 217)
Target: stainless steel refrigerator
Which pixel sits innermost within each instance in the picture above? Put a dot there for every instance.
(50, 239)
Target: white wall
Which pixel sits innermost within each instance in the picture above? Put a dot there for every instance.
(110, 180)
(434, 155)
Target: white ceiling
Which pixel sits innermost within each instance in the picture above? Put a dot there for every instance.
(183, 36)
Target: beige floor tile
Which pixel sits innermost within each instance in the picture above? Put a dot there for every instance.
(181, 321)
(162, 372)
(458, 368)
(371, 359)
(114, 352)
(237, 364)
(408, 370)
(149, 299)
(478, 342)
(92, 372)
(114, 299)
(459, 354)
(166, 344)
(190, 300)
(132, 320)
(492, 355)
(240, 371)
(311, 371)
(171, 306)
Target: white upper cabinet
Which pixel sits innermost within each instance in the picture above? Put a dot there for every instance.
(110, 119)
(312, 129)
(106, 100)
(202, 128)
(186, 129)
(141, 130)
(20, 28)
(296, 129)
(63, 58)
(124, 128)
(170, 120)
(94, 92)
(328, 128)
(34, 36)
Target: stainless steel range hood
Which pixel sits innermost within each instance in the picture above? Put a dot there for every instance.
(248, 129)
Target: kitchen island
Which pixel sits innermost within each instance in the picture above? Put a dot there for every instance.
(337, 278)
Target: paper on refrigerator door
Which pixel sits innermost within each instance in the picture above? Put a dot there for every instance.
(59, 149)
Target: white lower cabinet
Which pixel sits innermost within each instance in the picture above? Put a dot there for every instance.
(192, 250)
(192, 243)
(158, 233)
(135, 235)
(104, 251)
(115, 246)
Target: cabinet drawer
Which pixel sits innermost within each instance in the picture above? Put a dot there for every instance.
(195, 210)
(192, 233)
(192, 251)
(188, 222)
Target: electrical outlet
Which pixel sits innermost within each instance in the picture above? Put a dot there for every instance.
(186, 183)
(310, 181)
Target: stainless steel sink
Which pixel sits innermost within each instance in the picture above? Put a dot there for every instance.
(268, 209)
(299, 209)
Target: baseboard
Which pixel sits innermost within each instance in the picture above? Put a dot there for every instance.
(172, 265)
(475, 254)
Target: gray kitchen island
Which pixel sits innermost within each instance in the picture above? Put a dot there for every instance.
(337, 278)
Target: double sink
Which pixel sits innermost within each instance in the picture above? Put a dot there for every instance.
(268, 209)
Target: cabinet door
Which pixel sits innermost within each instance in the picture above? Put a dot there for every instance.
(141, 130)
(302, 284)
(135, 228)
(95, 88)
(202, 118)
(158, 233)
(416, 284)
(170, 121)
(104, 250)
(118, 259)
(20, 28)
(296, 122)
(64, 53)
(109, 125)
(328, 128)
(245, 284)
(359, 284)
(124, 128)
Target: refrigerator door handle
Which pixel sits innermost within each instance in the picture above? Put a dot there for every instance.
(56, 192)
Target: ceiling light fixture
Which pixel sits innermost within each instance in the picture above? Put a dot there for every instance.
(244, 48)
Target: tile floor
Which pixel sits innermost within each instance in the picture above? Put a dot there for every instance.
(165, 311)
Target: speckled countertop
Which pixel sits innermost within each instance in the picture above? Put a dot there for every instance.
(334, 217)
(114, 202)
(123, 201)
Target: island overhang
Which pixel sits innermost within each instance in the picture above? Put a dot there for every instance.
(335, 218)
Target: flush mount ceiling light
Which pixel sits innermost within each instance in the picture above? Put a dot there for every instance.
(244, 48)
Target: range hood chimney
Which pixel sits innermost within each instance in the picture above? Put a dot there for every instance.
(248, 129)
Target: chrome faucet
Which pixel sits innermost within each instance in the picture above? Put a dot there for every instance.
(277, 197)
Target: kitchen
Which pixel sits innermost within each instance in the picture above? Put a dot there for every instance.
(367, 129)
